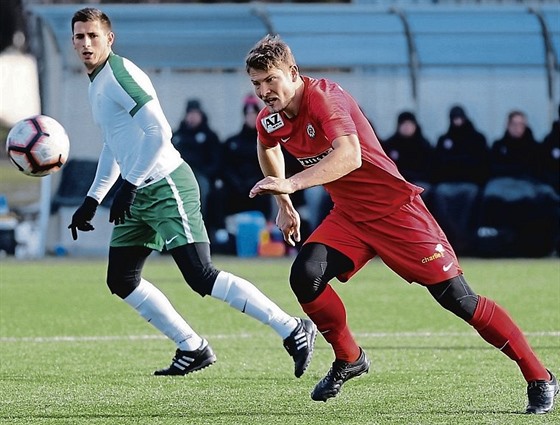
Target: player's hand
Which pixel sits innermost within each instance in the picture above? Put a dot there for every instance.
(124, 198)
(272, 186)
(81, 220)
(288, 221)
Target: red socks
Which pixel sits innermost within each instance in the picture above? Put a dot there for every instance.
(328, 313)
(497, 328)
(490, 320)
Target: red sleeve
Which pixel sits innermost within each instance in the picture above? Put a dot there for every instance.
(332, 109)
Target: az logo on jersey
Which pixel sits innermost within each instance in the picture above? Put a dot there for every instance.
(272, 122)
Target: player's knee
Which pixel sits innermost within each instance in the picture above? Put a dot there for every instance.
(196, 266)
(124, 269)
(306, 279)
(120, 282)
(203, 280)
(456, 296)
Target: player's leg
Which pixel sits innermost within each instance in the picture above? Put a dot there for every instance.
(491, 321)
(124, 278)
(131, 243)
(430, 260)
(315, 265)
(195, 263)
(496, 327)
(184, 232)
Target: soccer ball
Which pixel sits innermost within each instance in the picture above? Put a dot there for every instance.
(38, 145)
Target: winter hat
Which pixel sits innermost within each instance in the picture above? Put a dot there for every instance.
(457, 112)
(406, 116)
(193, 105)
(251, 103)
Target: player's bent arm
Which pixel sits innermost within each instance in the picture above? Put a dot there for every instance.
(271, 160)
(288, 221)
(345, 157)
(106, 175)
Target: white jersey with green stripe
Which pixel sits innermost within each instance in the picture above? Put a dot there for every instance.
(136, 134)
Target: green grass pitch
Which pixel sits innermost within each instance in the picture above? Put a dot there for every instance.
(71, 353)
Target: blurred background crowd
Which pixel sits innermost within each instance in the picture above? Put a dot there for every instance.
(491, 181)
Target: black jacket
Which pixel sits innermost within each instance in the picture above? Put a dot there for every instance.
(515, 157)
(549, 157)
(240, 168)
(199, 147)
(412, 155)
(461, 155)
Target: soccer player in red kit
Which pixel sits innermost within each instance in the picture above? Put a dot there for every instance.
(376, 213)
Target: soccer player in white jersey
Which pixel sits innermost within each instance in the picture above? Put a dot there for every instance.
(156, 205)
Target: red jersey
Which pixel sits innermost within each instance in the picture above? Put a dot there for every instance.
(372, 191)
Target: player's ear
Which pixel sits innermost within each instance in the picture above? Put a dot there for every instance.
(294, 73)
(110, 38)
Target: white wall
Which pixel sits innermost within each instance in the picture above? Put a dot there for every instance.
(19, 86)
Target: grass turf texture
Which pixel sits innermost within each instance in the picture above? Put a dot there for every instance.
(70, 353)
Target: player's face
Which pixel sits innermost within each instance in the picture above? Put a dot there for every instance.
(92, 42)
(277, 88)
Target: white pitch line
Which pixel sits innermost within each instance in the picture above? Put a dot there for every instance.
(102, 338)
(441, 334)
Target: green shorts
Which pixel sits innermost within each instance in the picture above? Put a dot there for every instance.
(165, 213)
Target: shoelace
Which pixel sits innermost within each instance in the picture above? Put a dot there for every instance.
(337, 371)
(538, 392)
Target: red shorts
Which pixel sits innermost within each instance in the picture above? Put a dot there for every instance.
(409, 241)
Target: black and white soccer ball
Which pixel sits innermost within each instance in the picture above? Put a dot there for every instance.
(38, 145)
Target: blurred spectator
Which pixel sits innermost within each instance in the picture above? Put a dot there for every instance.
(240, 169)
(549, 156)
(549, 165)
(200, 148)
(519, 214)
(515, 154)
(461, 170)
(411, 152)
(462, 152)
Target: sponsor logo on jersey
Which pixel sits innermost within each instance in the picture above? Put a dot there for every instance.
(310, 131)
(272, 122)
(439, 252)
(312, 160)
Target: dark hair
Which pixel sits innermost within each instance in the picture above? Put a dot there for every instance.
(269, 52)
(457, 112)
(91, 14)
(406, 116)
(193, 105)
(516, 113)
